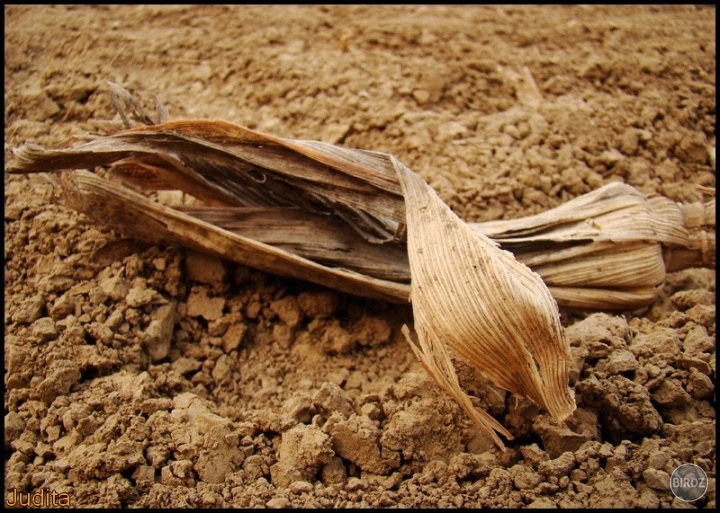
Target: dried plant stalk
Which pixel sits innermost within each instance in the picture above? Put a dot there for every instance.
(362, 223)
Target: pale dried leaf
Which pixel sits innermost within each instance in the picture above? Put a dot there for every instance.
(486, 306)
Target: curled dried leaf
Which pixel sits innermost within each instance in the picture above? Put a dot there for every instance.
(476, 299)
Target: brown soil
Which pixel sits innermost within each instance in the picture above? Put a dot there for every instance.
(151, 376)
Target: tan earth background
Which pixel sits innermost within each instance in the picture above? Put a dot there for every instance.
(253, 390)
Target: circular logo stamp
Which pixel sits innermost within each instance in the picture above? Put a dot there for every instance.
(688, 482)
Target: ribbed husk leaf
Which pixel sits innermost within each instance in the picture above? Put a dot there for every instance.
(478, 300)
(609, 249)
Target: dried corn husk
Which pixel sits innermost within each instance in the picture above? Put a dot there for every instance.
(338, 217)
(485, 305)
(610, 249)
(606, 250)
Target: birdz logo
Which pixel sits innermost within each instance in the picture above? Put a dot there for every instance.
(688, 482)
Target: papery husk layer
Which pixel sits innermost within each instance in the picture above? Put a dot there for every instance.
(486, 306)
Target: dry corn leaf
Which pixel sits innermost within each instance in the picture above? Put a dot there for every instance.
(485, 305)
(338, 216)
